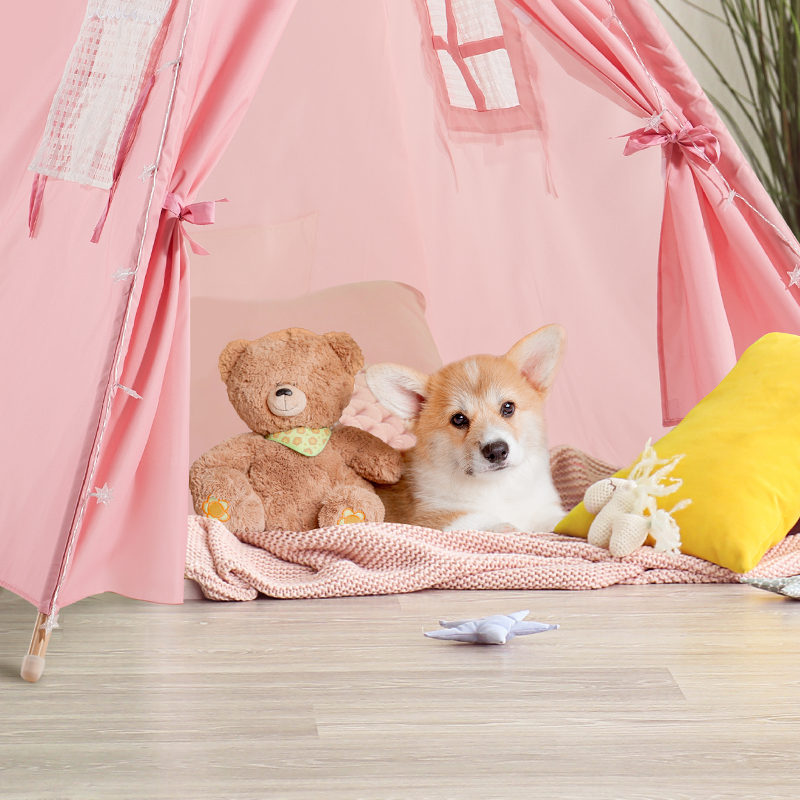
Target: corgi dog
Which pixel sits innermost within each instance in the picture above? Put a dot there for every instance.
(481, 460)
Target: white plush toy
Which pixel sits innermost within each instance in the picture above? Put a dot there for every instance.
(497, 629)
(626, 508)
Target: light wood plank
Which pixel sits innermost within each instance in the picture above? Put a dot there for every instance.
(644, 693)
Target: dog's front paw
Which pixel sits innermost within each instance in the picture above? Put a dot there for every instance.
(503, 527)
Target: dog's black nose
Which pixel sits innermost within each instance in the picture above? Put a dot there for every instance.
(496, 452)
(281, 392)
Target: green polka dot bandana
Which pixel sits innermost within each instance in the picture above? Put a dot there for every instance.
(306, 441)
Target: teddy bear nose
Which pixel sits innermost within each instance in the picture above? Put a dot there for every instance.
(282, 392)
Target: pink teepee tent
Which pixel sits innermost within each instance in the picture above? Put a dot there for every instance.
(466, 147)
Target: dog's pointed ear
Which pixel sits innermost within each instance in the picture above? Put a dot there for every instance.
(400, 390)
(538, 356)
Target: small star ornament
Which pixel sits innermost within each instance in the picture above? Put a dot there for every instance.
(497, 629)
(794, 276)
(104, 495)
(130, 392)
(51, 623)
(654, 122)
(122, 274)
(148, 170)
(729, 199)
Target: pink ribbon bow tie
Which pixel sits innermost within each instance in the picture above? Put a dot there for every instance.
(196, 214)
(699, 139)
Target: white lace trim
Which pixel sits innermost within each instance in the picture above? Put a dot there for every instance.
(136, 14)
(100, 84)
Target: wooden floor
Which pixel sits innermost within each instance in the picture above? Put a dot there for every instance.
(644, 692)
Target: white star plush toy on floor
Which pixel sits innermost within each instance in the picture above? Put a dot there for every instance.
(497, 629)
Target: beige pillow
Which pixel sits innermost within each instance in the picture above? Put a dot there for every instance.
(387, 319)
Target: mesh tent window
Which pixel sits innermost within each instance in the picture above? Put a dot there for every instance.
(477, 64)
(99, 86)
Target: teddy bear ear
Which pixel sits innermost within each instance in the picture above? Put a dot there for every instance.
(229, 356)
(348, 351)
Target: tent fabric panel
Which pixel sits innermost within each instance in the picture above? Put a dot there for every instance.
(57, 386)
(60, 304)
(133, 545)
(692, 361)
(579, 27)
(138, 547)
(667, 66)
(756, 295)
(522, 233)
(72, 315)
(42, 44)
(752, 258)
(326, 129)
(694, 339)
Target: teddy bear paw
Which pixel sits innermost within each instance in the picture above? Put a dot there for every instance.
(348, 505)
(239, 515)
(350, 516)
(217, 508)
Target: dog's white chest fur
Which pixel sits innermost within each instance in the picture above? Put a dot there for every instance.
(521, 497)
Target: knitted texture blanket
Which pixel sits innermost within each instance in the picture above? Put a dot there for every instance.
(388, 558)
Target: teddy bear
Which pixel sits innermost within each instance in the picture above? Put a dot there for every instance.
(627, 510)
(295, 469)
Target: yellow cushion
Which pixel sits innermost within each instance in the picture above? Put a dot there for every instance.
(742, 464)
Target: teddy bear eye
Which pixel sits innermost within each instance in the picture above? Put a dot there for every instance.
(459, 421)
(507, 409)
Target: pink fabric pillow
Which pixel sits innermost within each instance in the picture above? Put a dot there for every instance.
(387, 319)
(367, 413)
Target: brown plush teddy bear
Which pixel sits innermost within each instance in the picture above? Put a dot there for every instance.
(292, 472)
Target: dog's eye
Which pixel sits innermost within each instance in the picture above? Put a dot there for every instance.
(507, 409)
(459, 421)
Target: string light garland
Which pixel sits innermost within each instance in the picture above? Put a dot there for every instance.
(50, 624)
(105, 494)
(122, 274)
(147, 170)
(130, 392)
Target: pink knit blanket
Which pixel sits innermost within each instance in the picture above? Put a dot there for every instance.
(387, 558)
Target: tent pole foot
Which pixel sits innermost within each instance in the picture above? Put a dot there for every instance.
(33, 663)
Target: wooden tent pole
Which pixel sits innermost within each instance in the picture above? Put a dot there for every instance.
(33, 663)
